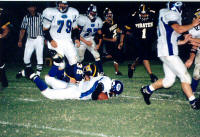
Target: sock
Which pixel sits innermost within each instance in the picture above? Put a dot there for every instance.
(53, 71)
(39, 69)
(40, 83)
(99, 65)
(192, 99)
(194, 84)
(150, 89)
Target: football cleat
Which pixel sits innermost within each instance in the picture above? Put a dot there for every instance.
(20, 74)
(196, 104)
(118, 73)
(153, 77)
(146, 95)
(130, 71)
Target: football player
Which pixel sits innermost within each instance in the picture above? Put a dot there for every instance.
(195, 52)
(169, 29)
(4, 31)
(90, 26)
(142, 26)
(89, 88)
(112, 38)
(58, 24)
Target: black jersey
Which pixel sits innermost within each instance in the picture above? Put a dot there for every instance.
(143, 29)
(111, 30)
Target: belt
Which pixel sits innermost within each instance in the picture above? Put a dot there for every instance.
(33, 37)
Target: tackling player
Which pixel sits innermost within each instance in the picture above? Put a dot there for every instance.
(89, 88)
(58, 24)
(142, 26)
(90, 26)
(169, 29)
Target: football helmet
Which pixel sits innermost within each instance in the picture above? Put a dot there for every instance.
(197, 13)
(108, 13)
(175, 6)
(62, 6)
(92, 12)
(117, 87)
(143, 12)
(90, 70)
(1, 11)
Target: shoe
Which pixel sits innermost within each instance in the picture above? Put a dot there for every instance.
(118, 73)
(19, 75)
(30, 74)
(153, 77)
(146, 96)
(196, 104)
(130, 71)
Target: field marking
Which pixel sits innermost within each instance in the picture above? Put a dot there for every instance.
(22, 87)
(28, 99)
(179, 101)
(53, 129)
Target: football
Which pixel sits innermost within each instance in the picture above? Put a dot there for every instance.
(102, 96)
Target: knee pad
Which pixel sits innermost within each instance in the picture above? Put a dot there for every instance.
(186, 78)
(167, 82)
(81, 58)
(196, 73)
(2, 66)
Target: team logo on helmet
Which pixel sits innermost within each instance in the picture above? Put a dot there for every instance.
(90, 70)
(117, 87)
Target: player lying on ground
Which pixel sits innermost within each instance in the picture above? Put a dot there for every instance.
(95, 88)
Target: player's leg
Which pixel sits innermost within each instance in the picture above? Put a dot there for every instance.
(196, 73)
(96, 56)
(81, 52)
(72, 57)
(117, 57)
(39, 45)
(29, 48)
(166, 82)
(146, 54)
(55, 83)
(3, 77)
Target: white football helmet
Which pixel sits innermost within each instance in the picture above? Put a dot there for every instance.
(92, 12)
(175, 6)
(62, 6)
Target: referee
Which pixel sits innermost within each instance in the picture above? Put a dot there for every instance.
(32, 25)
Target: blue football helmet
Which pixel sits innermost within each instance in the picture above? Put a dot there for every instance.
(92, 12)
(62, 8)
(175, 6)
(117, 87)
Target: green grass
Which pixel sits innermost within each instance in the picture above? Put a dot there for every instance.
(24, 112)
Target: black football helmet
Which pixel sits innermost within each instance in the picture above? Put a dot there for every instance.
(197, 13)
(143, 12)
(1, 11)
(90, 70)
(62, 6)
(108, 13)
(92, 12)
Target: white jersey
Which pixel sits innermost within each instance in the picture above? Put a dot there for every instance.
(195, 32)
(89, 28)
(88, 87)
(167, 37)
(62, 90)
(60, 24)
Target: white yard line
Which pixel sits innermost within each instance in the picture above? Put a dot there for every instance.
(28, 99)
(22, 87)
(53, 129)
(179, 101)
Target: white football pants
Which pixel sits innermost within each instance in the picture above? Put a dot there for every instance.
(32, 45)
(91, 49)
(173, 66)
(66, 48)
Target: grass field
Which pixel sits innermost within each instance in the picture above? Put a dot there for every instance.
(24, 112)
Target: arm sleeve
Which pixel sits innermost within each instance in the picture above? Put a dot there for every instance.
(47, 18)
(24, 23)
